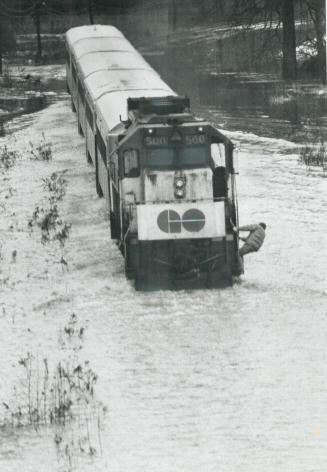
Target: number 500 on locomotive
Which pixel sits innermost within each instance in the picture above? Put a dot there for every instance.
(167, 177)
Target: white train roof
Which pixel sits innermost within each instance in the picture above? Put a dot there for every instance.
(89, 46)
(91, 31)
(113, 107)
(103, 82)
(114, 60)
(112, 71)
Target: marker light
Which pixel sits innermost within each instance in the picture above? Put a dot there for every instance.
(176, 137)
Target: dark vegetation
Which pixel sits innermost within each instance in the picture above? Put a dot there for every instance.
(276, 39)
(290, 23)
(52, 394)
(282, 18)
(48, 218)
(8, 157)
(60, 395)
(314, 156)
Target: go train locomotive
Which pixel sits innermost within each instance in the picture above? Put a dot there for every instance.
(167, 177)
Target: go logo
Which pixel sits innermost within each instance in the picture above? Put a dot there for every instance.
(169, 221)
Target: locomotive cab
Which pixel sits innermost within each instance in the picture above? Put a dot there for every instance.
(176, 197)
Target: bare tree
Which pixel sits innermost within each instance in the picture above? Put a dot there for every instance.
(90, 8)
(1, 35)
(34, 9)
(7, 37)
(317, 13)
(274, 14)
(37, 20)
(289, 68)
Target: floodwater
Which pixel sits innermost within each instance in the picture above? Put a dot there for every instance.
(29, 89)
(229, 380)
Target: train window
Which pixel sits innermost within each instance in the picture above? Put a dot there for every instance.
(131, 163)
(81, 92)
(74, 73)
(67, 58)
(161, 157)
(193, 156)
(102, 147)
(89, 114)
(218, 154)
(219, 182)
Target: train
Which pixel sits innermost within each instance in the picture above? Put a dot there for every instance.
(168, 177)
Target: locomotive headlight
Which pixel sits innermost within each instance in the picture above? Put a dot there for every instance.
(179, 183)
(150, 131)
(200, 129)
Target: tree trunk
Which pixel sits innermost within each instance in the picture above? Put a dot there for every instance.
(317, 13)
(220, 6)
(91, 12)
(289, 69)
(172, 15)
(1, 23)
(321, 50)
(38, 35)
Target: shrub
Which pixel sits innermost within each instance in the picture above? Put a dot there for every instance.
(56, 186)
(43, 151)
(7, 157)
(52, 227)
(50, 396)
(62, 396)
(314, 155)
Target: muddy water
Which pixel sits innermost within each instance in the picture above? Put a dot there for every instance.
(229, 380)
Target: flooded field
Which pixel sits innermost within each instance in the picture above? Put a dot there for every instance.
(228, 380)
(27, 89)
(253, 102)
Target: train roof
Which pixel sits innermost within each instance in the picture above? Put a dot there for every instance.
(109, 81)
(112, 70)
(103, 53)
(116, 60)
(113, 106)
(92, 31)
(88, 46)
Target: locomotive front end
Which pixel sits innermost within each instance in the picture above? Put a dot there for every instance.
(178, 203)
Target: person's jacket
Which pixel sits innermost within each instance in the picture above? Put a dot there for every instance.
(256, 236)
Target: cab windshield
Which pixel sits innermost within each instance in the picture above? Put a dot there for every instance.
(165, 157)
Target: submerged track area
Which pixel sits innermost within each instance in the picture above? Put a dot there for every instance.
(229, 380)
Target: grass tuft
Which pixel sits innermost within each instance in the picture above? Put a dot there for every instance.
(42, 151)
